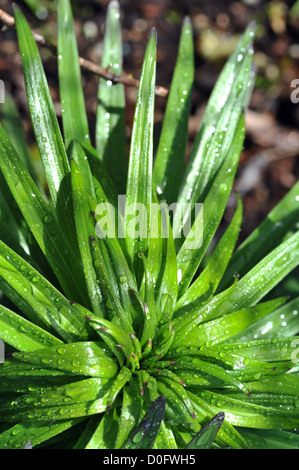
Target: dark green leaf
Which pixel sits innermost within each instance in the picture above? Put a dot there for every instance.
(206, 436)
(144, 436)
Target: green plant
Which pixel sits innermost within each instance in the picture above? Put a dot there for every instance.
(140, 341)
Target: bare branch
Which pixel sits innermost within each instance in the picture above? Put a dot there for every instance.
(127, 80)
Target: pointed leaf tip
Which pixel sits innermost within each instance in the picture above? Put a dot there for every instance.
(252, 24)
(113, 4)
(219, 417)
(187, 20)
(153, 32)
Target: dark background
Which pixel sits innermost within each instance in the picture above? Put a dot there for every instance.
(269, 163)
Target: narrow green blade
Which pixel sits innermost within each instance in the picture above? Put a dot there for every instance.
(206, 436)
(207, 282)
(279, 224)
(265, 411)
(85, 230)
(42, 222)
(37, 298)
(218, 126)
(139, 185)
(111, 141)
(249, 290)
(45, 124)
(145, 435)
(170, 155)
(281, 323)
(22, 334)
(162, 261)
(130, 413)
(265, 275)
(73, 400)
(195, 245)
(268, 439)
(74, 118)
(35, 432)
(82, 358)
(46, 128)
(224, 327)
(12, 124)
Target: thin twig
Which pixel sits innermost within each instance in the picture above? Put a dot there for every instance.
(127, 80)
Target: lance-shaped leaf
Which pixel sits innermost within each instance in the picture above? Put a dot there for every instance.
(265, 275)
(195, 245)
(46, 128)
(207, 282)
(179, 408)
(130, 413)
(36, 432)
(99, 432)
(269, 439)
(104, 186)
(145, 435)
(269, 350)
(74, 118)
(163, 340)
(271, 411)
(85, 230)
(82, 358)
(12, 124)
(18, 377)
(162, 261)
(122, 378)
(42, 221)
(279, 224)
(222, 374)
(170, 155)
(217, 130)
(111, 266)
(147, 323)
(216, 369)
(281, 323)
(224, 327)
(227, 434)
(111, 141)
(139, 184)
(206, 436)
(45, 124)
(22, 334)
(73, 400)
(106, 193)
(285, 383)
(37, 298)
(147, 293)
